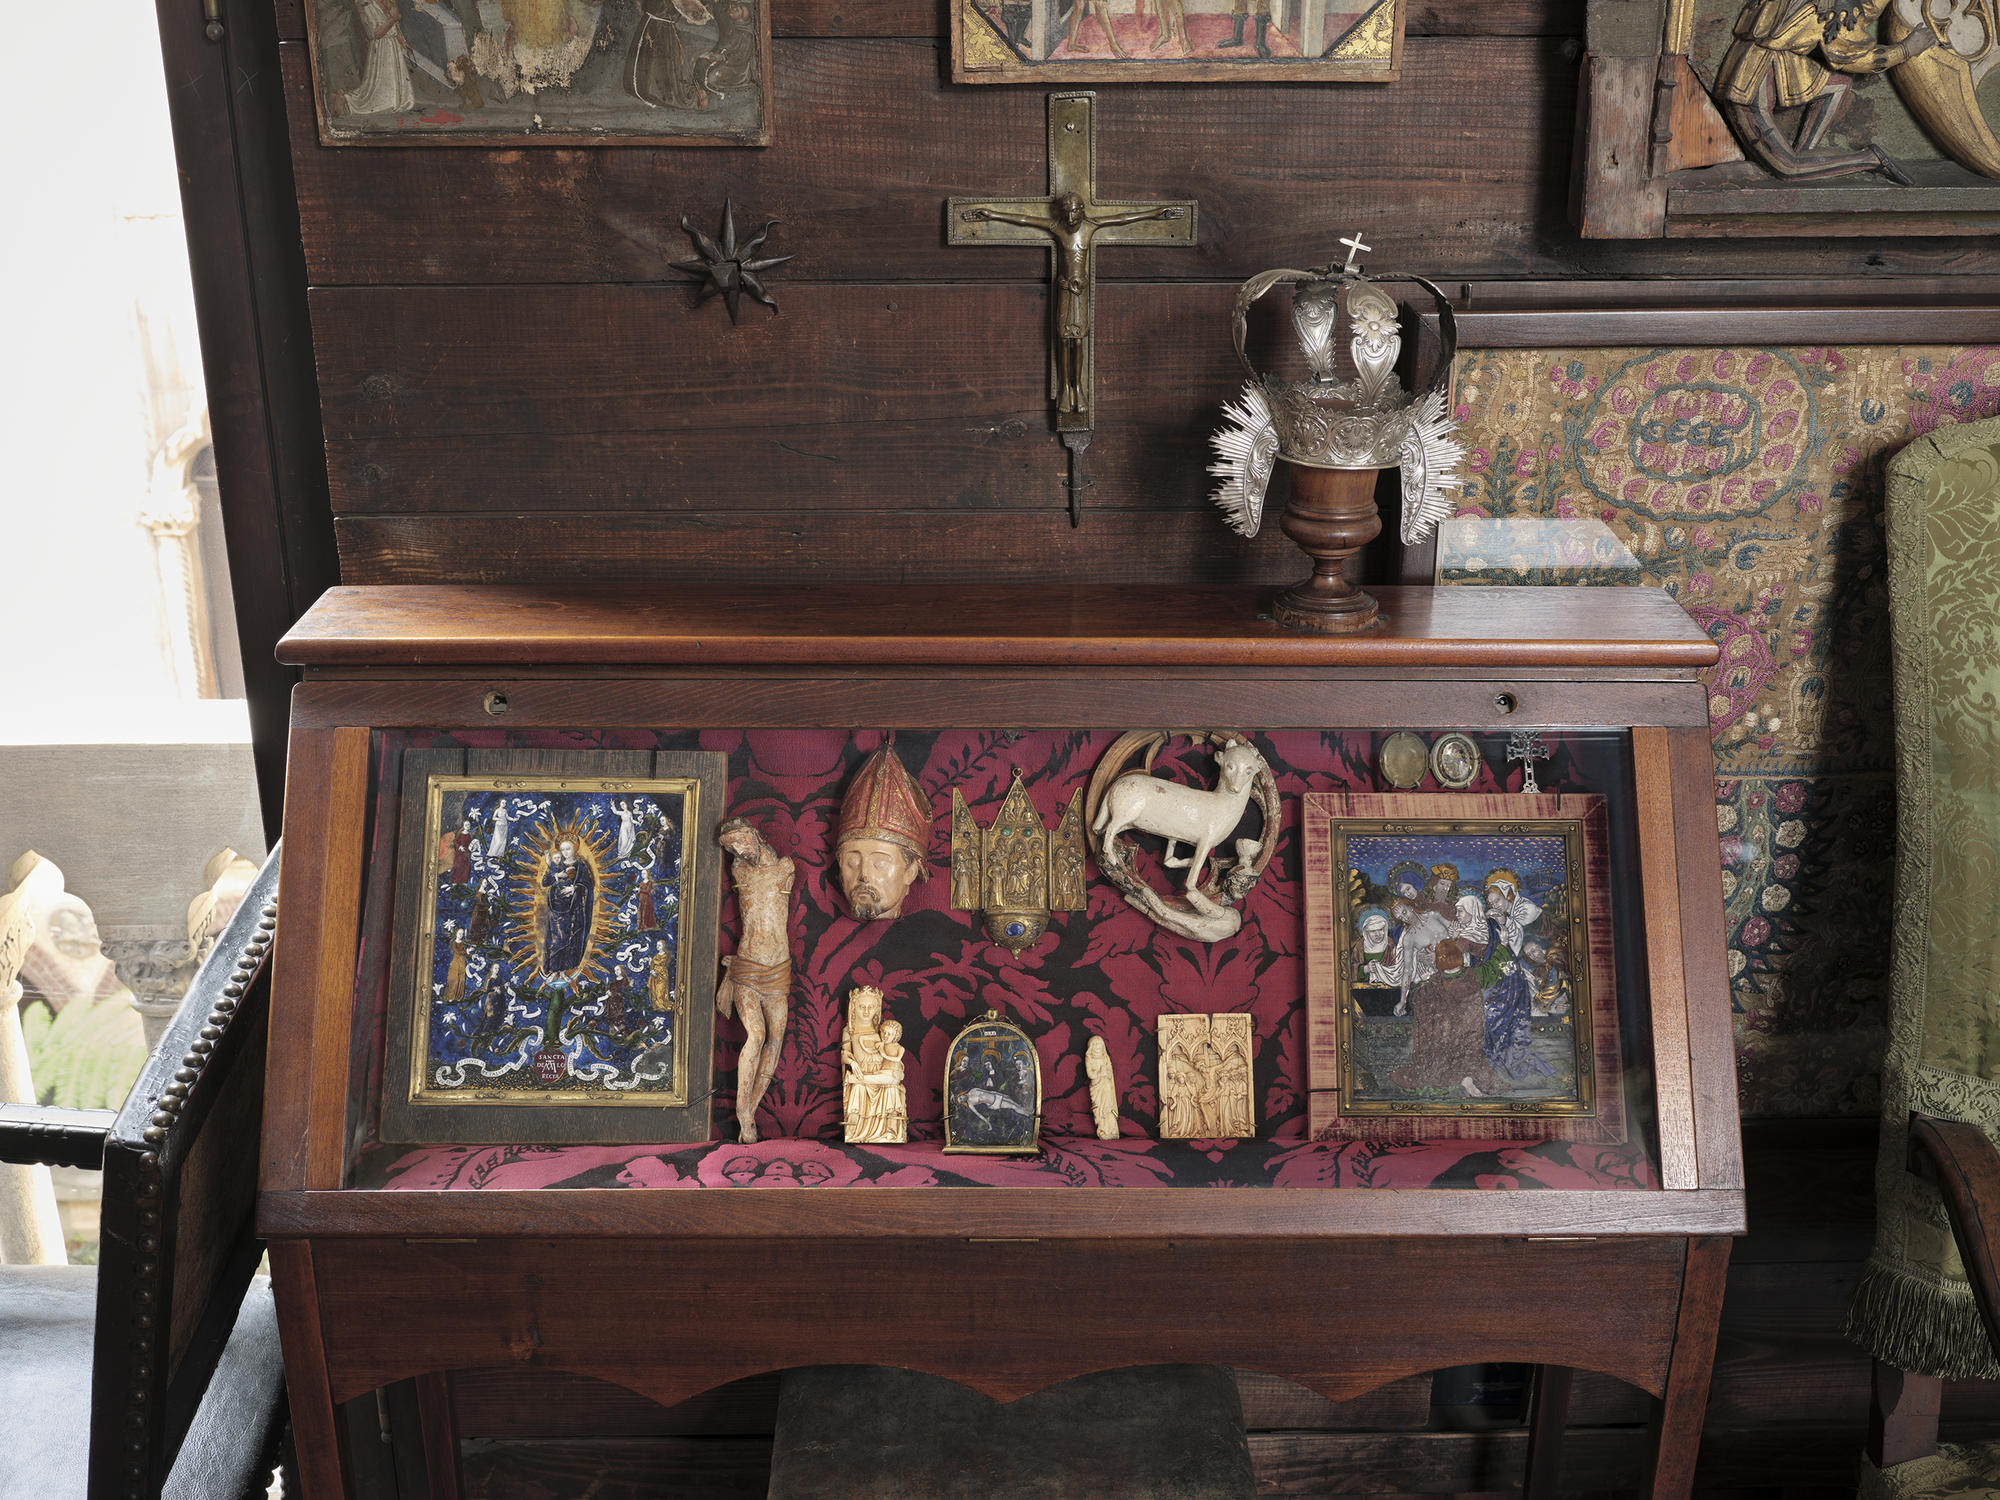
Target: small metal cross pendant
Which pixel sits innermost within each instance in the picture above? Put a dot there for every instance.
(1354, 248)
(1073, 222)
(1527, 747)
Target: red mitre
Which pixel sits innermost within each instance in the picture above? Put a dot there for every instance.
(885, 802)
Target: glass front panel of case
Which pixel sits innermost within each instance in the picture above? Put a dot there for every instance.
(1345, 958)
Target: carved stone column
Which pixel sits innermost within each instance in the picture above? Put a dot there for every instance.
(30, 1229)
(65, 964)
(172, 515)
(229, 876)
(156, 964)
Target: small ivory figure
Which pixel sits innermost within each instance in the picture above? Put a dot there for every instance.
(1205, 1077)
(1103, 1089)
(757, 977)
(874, 1106)
(882, 845)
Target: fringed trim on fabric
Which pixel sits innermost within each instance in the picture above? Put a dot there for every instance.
(1919, 1326)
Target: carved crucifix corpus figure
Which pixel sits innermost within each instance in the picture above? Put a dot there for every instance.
(1074, 223)
(1074, 228)
(757, 980)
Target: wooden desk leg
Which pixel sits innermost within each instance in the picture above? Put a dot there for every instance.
(1546, 1420)
(1677, 1416)
(319, 1434)
(440, 1436)
(1902, 1415)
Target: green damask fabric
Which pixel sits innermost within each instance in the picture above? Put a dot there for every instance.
(1957, 1471)
(1913, 1307)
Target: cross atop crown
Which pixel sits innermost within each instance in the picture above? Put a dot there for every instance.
(1354, 248)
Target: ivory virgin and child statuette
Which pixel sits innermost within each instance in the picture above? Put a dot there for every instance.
(874, 1105)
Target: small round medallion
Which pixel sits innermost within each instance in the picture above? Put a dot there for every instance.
(1455, 761)
(1404, 759)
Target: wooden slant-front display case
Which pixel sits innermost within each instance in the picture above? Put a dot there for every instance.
(673, 1269)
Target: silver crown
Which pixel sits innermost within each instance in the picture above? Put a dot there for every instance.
(1324, 422)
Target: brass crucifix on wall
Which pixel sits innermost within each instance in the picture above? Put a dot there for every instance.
(1072, 221)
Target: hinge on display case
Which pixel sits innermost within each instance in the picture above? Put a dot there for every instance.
(211, 15)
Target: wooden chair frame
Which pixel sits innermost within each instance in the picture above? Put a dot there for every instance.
(176, 1249)
(1963, 1163)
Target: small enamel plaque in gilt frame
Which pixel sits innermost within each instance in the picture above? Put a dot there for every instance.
(554, 954)
(992, 1090)
(1459, 979)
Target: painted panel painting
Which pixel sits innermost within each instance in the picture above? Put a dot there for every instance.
(547, 72)
(559, 966)
(1461, 981)
(1131, 41)
(992, 1089)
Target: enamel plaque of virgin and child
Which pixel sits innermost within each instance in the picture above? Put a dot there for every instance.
(561, 952)
(1459, 973)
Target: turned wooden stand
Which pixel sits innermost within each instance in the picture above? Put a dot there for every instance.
(1006, 1289)
(1331, 516)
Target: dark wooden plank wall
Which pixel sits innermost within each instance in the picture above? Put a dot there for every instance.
(515, 385)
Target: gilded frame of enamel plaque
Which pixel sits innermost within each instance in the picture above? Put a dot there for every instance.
(552, 967)
(1176, 41)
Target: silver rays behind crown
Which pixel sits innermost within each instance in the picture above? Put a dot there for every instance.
(1432, 452)
(1246, 450)
(1368, 422)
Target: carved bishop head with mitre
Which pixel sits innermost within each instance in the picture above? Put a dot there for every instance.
(884, 838)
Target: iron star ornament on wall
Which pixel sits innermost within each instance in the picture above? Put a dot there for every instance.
(727, 270)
